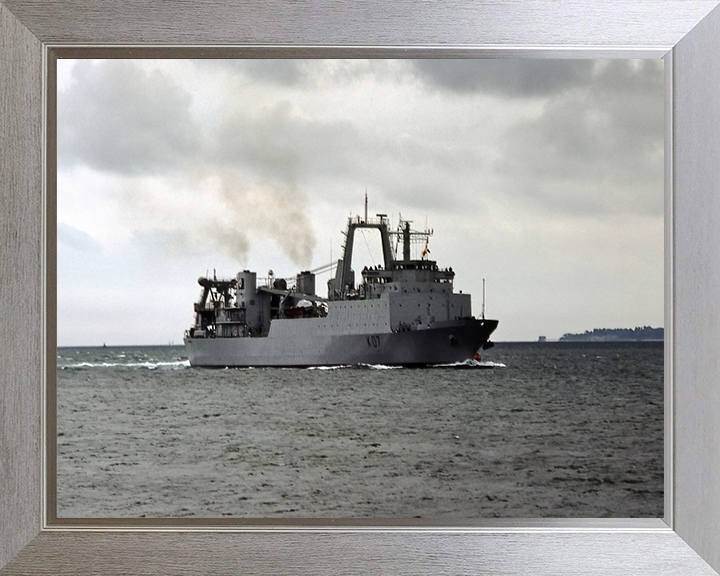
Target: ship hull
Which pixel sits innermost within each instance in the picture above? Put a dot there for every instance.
(443, 343)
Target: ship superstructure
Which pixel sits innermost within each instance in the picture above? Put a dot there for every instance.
(402, 312)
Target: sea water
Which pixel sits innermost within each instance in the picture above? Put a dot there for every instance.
(555, 429)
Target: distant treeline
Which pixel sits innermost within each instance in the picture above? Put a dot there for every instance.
(615, 334)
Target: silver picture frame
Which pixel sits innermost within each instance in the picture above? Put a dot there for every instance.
(686, 33)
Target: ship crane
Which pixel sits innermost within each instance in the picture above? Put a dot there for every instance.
(319, 270)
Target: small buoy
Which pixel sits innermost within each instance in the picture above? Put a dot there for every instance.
(477, 357)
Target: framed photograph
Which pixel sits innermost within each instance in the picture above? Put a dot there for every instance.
(540, 180)
(35, 540)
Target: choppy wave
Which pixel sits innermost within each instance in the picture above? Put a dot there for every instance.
(340, 367)
(464, 364)
(471, 364)
(356, 367)
(181, 364)
(150, 365)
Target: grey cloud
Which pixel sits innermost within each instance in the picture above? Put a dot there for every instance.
(76, 239)
(118, 118)
(282, 147)
(121, 120)
(262, 154)
(307, 73)
(594, 150)
(515, 78)
(347, 72)
(276, 144)
(275, 71)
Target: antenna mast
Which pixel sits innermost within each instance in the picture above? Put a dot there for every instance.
(366, 206)
(483, 306)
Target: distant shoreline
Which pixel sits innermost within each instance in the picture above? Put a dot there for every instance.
(639, 334)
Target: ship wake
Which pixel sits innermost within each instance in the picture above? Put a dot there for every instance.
(174, 365)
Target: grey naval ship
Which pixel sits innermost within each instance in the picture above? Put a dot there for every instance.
(403, 312)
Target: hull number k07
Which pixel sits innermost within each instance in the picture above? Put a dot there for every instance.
(373, 341)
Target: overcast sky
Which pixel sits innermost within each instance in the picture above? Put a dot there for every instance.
(543, 177)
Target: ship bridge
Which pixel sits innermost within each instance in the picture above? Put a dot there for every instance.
(409, 271)
(393, 269)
